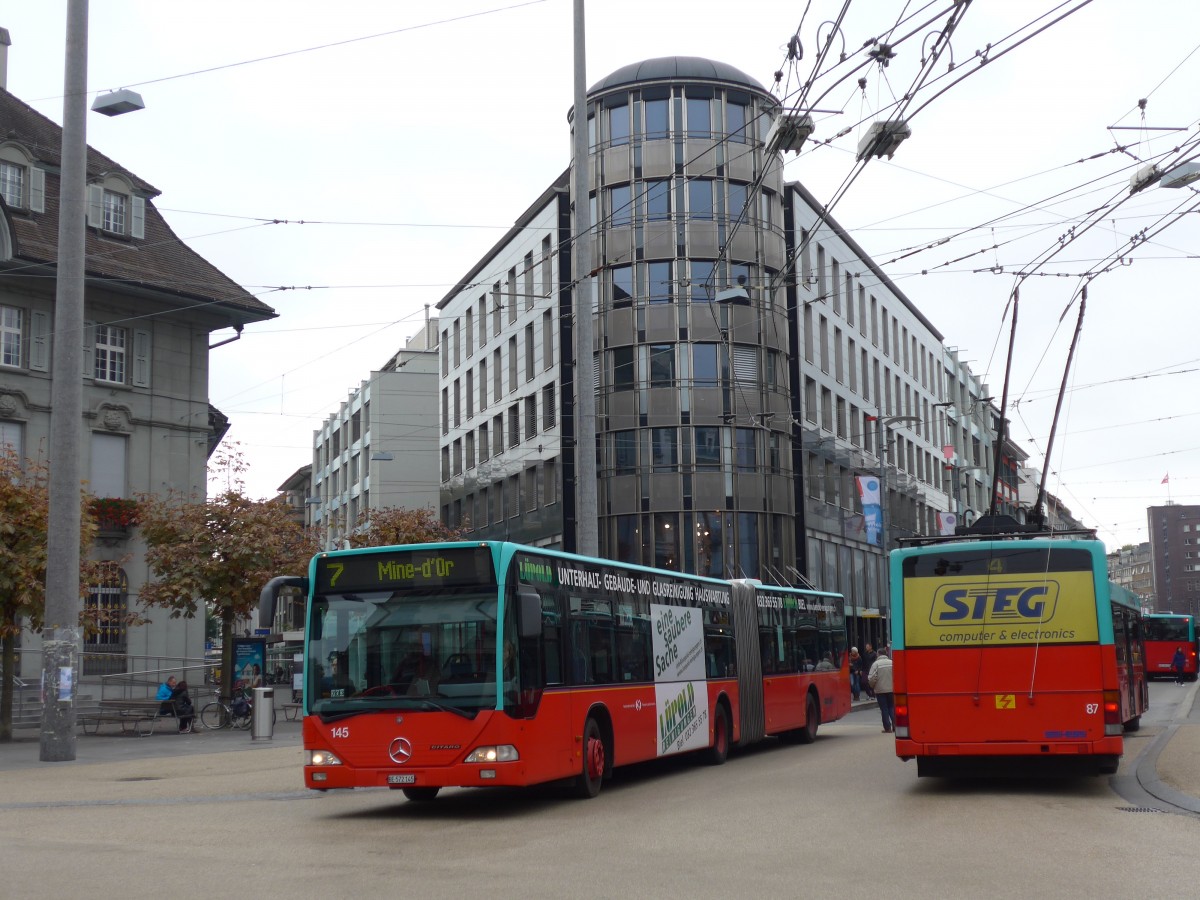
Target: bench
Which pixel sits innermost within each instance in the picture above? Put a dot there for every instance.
(291, 711)
(134, 716)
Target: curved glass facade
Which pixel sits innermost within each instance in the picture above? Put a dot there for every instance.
(691, 324)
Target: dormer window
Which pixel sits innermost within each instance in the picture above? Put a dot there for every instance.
(22, 185)
(115, 209)
(12, 184)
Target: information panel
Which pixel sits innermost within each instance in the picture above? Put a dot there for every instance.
(398, 568)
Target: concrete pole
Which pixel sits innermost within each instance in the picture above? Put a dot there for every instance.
(586, 508)
(60, 638)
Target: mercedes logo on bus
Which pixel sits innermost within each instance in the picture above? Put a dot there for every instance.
(400, 750)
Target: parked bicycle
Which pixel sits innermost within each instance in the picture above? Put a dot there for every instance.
(219, 714)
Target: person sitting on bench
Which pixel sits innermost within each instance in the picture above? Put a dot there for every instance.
(176, 702)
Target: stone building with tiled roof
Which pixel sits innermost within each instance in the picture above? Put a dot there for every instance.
(150, 306)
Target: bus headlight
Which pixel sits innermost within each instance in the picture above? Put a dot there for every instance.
(322, 758)
(501, 753)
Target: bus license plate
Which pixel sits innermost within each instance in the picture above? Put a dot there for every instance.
(402, 779)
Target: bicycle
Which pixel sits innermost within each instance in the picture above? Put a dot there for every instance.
(219, 714)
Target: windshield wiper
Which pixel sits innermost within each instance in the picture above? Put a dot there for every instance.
(442, 707)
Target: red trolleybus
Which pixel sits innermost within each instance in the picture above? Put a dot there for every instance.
(1012, 648)
(489, 663)
(1166, 632)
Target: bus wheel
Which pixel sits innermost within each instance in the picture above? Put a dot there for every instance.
(1134, 724)
(812, 718)
(590, 779)
(719, 751)
(421, 794)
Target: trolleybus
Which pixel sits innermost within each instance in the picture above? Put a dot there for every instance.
(1012, 648)
(491, 663)
(1165, 633)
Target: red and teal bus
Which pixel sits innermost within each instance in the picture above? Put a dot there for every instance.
(1165, 633)
(1013, 648)
(491, 663)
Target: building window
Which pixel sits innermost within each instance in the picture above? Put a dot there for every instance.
(658, 124)
(11, 319)
(658, 200)
(547, 339)
(701, 280)
(620, 209)
(548, 412)
(12, 184)
(498, 435)
(622, 374)
(664, 452)
(529, 353)
(624, 452)
(530, 501)
(622, 285)
(105, 608)
(109, 452)
(699, 113)
(618, 125)
(530, 416)
(550, 482)
(484, 451)
(115, 212)
(700, 198)
(514, 425)
(704, 365)
(110, 354)
(662, 365)
(661, 284)
(512, 363)
(745, 455)
(708, 447)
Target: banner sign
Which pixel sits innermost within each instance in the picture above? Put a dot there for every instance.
(868, 491)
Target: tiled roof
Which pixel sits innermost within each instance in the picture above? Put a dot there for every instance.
(160, 261)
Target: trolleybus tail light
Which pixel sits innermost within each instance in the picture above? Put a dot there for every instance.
(322, 758)
(1112, 713)
(499, 753)
(901, 715)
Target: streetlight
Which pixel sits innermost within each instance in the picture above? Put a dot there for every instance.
(60, 634)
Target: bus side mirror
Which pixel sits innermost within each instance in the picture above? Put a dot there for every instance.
(529, 612)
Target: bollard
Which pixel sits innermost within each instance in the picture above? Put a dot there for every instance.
(262, 724)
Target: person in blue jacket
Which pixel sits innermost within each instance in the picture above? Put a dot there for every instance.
(174, 701)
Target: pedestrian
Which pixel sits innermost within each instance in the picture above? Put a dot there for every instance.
(856, 674)
(880, 679)
(868, 660)
(1178, 661)
(174, 701)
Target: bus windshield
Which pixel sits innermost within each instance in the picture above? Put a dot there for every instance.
(1168, 628)
(421, 650)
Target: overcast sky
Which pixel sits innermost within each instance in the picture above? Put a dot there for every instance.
(421, 130)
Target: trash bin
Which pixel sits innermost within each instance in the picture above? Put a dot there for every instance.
(262, 724)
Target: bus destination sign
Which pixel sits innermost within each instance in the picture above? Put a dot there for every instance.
(400, 569)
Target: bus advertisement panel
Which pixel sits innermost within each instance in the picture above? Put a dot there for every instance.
(1012, 648)
(488, 663)
(1165, 634)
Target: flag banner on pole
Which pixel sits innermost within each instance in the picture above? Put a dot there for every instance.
(1166, 478)
(868, 491)
(947, 522)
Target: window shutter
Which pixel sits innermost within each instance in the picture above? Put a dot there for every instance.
(141, 359)
(37, 189)
(95, 212)
(137, 227)
(745, 364)
(39, 342)
(89, 346)
(595, 374)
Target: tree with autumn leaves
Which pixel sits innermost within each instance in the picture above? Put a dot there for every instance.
(219, 551)
(386, 527)
(24, 519)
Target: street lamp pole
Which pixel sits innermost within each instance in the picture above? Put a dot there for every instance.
(60, 636)
(883, 423)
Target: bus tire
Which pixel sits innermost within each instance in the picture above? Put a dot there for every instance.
(591, 778)
(420, 794)
(719, 751)
(1134, 724)
(812, 719)
(1107, 765)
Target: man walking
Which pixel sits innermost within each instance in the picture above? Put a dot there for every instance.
(880, 679)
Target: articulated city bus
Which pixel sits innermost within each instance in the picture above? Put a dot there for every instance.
(490, 663)
(1013, 648)
(1166, 633)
